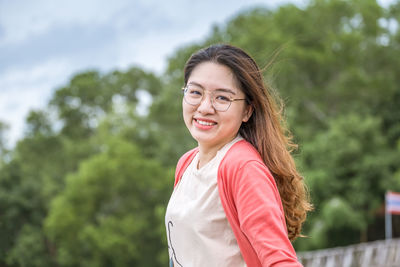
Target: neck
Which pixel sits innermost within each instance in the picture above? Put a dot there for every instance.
(207, 153)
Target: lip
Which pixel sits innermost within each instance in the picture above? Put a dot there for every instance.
(204, 127)
(203, 119)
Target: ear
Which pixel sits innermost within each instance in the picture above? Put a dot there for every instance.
(247, 113)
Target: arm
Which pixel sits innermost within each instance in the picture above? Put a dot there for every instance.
(260, 214)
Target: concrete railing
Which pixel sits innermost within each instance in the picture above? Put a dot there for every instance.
(384, 253)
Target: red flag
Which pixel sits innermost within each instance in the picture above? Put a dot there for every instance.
(393, 203)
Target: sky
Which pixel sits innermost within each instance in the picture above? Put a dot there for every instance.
(43, 43)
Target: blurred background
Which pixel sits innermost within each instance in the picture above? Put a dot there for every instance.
(91, 125)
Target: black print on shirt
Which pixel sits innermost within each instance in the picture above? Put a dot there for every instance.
(171, 261)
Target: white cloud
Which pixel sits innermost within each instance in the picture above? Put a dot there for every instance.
(22, 20)
(22, 90)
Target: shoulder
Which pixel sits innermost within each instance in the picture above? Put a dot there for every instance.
(243, 164)
(188, 156)
(240, 154)
(183, 162)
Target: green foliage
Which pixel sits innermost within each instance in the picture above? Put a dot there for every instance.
(56, 142)
(350, 164)
(30, 249)
(107, 211)
(89, 182)
(4, 151)
(89, 96)
(336, 221)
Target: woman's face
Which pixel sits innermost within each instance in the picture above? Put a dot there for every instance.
(213, 129)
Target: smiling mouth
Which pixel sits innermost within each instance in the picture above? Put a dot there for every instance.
(205, 123)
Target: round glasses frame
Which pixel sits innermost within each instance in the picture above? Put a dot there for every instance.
(230, 100)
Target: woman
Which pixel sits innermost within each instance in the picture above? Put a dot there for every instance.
(238, 199)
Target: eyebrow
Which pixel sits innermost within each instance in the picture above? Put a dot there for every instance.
(218, 89)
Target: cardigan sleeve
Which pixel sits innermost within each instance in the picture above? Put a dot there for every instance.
(260, 214)
(183, 163)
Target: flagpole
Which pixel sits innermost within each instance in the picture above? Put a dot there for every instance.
(388, 226)
(388, 220)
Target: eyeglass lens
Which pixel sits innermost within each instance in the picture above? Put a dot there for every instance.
(220, 100)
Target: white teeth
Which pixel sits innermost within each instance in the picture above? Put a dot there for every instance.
(205, 123)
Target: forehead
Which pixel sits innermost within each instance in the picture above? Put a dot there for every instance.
(212, 75)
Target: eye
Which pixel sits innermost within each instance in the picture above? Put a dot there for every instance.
(194, 91)
(222, 98)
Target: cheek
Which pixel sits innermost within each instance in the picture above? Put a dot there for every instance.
(187, 112)
(240, 115)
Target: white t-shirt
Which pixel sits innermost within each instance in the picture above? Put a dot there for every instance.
(198, 231)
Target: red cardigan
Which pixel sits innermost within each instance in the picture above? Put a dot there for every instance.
(252, 205)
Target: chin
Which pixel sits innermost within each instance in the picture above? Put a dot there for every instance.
(201, 139)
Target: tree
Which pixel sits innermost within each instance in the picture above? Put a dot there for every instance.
(347, 179)
(106, 216)
(89, 96)
(3, 147)
(23, 198)
(56, 141)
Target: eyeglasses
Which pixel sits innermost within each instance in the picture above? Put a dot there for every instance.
(220, 100)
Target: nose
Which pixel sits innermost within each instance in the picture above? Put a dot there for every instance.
(206, 105)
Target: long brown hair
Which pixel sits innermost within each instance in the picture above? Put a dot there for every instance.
(265, 129)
